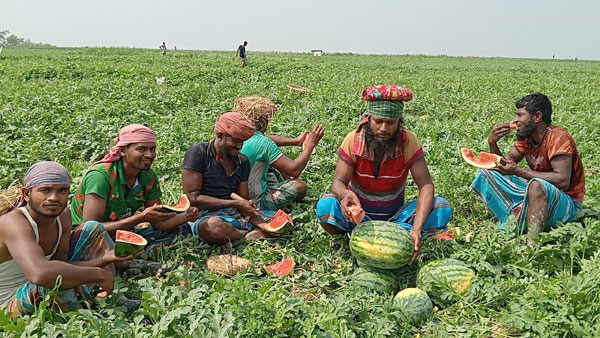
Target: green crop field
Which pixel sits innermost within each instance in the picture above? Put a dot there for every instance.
(68, 104)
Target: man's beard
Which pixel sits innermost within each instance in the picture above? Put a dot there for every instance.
(381, 146)
(526, 132)
(40, 212)
(230, 158)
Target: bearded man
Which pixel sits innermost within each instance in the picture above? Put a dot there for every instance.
(551, 190)
(211, 172)
(372, 168)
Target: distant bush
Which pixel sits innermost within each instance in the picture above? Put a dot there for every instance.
(11, 40)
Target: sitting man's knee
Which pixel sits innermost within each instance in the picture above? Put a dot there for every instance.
(213, 228)
(536, 190)
(301, 186)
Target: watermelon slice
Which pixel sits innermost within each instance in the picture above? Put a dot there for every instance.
(281, 223)
(485, 160)
(314, 150)
(512, 126)
(357, 213)
(182, 205)
(127, 243)
(282, 268)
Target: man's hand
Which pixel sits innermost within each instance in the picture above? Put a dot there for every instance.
(106, 284)
(313, 138)
(349, 199)
(416, 236)
(507, 166)
(247, 208)
(191, 214)
(110, 257)
(300, 139)
(498, 131)
(154, 214)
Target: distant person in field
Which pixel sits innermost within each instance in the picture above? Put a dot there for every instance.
(551, 190)
(372, 170)
(241, 51)
(211, 172)
(163, 47)
(37, 246)
(122, 183)
(274, 181)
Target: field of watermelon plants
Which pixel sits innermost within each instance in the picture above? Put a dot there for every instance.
(68, 104)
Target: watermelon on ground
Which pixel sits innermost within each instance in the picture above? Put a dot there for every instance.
(381, 244)
(414, 304)
(281, 268)
(372, 279)
(127, 243)
(446, 276)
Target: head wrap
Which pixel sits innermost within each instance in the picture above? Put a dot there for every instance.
(133, 133)
(45, 173)
(386, 100)
(236, 125)
(255, 107)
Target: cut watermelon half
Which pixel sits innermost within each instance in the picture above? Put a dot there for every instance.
(485, 160)
(182, 205)
(281, 223)
(127, 243)
(282, 268)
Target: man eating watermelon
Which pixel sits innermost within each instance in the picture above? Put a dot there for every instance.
(211, 172)
(38, 248)
(551, 190)
(372, 167)
(117, 186)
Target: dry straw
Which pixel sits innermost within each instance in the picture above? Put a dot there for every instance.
(255, 107)
(227, 264)
(9, 198)
(298, 89)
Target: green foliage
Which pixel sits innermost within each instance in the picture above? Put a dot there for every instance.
(68, 104)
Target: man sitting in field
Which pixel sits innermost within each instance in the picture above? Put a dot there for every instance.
(268, 186)
(372, 167)
(121, 183)
(553, 186)
(211, 172)
(37, 246)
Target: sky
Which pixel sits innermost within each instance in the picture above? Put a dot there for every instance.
(491, 28)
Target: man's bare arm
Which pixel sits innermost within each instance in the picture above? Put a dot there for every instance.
(191, 181)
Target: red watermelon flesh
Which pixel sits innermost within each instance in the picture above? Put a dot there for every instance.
(282, 268)
(128, 243)
(485, 160)
(281, 223)
(182, 205)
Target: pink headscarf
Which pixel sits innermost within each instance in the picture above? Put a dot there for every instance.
(133, 133)
(236, 125)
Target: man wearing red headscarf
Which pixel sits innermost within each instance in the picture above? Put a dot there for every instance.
(121, 183)
(212, 171)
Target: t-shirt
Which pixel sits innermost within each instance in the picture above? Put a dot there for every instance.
(107, 180)
(242, 51)
(202, 157)
(261, 152)
(556, 141)
(381, 192)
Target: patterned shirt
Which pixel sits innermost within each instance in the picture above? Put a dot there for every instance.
(380, 190)
(107, 180)
(556, 141)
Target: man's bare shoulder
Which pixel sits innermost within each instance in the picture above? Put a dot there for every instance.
(13, 221)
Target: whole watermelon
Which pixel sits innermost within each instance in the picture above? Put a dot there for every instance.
(445, 276)
(372, 279)
(381, 244)
(415, 304)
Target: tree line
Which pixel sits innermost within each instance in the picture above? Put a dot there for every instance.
(10, 40)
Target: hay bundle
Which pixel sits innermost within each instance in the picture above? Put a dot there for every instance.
(255, 107)
(298, 89)
(227, 264)
(9, 198)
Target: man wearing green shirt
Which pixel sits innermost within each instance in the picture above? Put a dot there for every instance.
(274, 181)
(122, 183)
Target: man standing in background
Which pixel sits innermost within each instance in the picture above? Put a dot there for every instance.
(241, 51)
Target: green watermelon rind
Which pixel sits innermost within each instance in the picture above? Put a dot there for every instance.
(386, 236)
(287, 227)
(377, 280)
(124, 249)
(445, 276)
(415, 304)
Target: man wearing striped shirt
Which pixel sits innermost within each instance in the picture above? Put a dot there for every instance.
(372, 168)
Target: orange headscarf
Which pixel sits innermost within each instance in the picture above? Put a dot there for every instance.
(236, 125)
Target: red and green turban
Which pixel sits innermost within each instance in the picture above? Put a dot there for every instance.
(386, 100)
